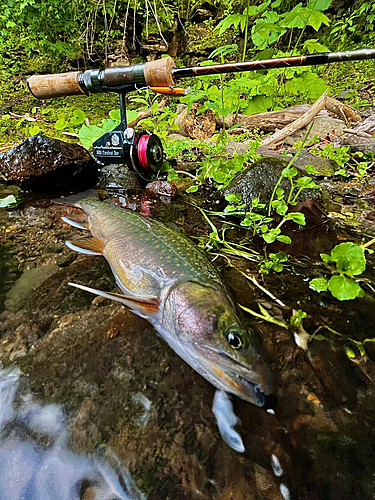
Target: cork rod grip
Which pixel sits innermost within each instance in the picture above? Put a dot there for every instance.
(159, 73)
(60, 85)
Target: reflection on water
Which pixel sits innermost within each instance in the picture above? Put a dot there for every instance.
(35, 461)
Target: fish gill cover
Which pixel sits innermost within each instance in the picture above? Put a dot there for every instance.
(35, 460)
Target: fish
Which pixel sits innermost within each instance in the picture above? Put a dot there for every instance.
(165, 278)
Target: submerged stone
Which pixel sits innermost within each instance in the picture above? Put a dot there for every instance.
(43, 163)
(118, 179)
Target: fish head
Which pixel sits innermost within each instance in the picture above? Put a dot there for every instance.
(202, 325)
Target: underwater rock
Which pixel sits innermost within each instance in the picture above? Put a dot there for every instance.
(43, 163)
(35, 460)
(118, 179)
(259, 180)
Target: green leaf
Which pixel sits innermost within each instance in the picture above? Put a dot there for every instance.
(319, 284)
(350, 353)
(172, 176)
(318, 4)
(284, 239)
(192, 189)
(34, 130)
(233, 197)
(289, 172)
(312, 170)
(8, 201)
(269, 238)
(78, 117)
(297, 217)
(350, 258)
(344, 288)
(319, 337)
(88, 134)
(115, 114)
(61, 124)
(325, 257)
(258, 104)
(316, 19)
(313, 45)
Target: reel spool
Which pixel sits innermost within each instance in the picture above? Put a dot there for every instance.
(146, 155)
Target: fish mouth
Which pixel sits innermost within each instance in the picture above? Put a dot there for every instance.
(251, 383)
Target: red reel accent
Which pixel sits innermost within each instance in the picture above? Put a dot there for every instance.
(142, 147)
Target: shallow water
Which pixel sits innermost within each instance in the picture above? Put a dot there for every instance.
(35, 461)
(124, 387)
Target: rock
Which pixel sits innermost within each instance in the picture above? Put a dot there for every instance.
(203, 12)
(237, 147)
(43, 163)
(177, 137)
(323, 126)
(118, 179)
(259, 180)
(324, 166)
(162, 188)
(358, 144)
(29, 281)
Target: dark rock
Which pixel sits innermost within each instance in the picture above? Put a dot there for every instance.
(42, 163)
(118, 179)
(162, 188)
(259, 181)
(203, 13)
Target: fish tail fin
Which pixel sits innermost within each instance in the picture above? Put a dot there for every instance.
(74, 199)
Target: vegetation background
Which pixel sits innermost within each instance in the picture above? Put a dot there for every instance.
(46, 36)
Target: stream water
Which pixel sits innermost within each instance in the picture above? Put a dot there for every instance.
(122, 386)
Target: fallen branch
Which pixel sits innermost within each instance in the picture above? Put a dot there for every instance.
(343, 111)
(301, 122)
(268, 121)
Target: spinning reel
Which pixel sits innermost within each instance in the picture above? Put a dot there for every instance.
(140, 151)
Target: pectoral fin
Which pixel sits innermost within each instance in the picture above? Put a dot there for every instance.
(143, 307)
(89, 246)
(75, 223)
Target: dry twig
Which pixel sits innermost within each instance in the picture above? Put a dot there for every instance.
(301, 122)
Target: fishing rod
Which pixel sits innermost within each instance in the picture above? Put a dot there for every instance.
(141, 151)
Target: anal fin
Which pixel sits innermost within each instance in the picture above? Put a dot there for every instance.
(88, 246)
(143, 307)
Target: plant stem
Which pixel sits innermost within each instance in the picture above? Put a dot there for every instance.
(369, 243)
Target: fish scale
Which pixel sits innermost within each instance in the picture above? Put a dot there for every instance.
(145, 255)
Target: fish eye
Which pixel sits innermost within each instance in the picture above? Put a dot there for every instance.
(235, 340)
